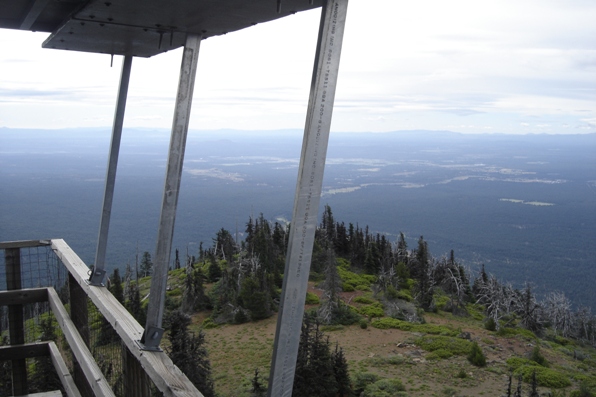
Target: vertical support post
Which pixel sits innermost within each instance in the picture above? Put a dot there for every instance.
(15, 321)
(308, 194)
(136, 380)
(79, 314)
(153, 331)
(98, 272)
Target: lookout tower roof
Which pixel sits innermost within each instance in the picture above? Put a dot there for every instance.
(139, 28)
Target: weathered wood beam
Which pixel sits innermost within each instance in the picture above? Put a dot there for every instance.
(23, 296)
(62, 370)
(16, 331)
(23, 244)
(93, 374)
(165, 375)
(27, 350)
(55, 393)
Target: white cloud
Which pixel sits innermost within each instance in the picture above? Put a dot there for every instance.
(429, 64)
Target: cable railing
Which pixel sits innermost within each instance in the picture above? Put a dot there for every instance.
(58, 334)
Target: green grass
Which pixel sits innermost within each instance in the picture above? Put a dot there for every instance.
(456, 346)
(388, 323)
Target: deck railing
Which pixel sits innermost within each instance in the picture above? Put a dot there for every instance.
(94, 351)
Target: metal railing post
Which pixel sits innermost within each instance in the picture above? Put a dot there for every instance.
(188, 70)
(308, 194)
(98, 272)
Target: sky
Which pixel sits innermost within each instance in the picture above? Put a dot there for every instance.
(505, 66)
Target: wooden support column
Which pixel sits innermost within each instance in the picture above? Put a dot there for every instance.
(153, 331)
(98, 272)
(15, 320)
(308, 194)
(80, 317)
(136, 381)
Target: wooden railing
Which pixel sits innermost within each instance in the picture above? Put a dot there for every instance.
(143, 373)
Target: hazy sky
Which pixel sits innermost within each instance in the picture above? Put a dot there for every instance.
(506, 66)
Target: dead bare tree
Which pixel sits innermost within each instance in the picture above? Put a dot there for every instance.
(557, 311)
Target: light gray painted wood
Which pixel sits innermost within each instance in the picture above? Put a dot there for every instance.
(165, 375)
(23, 296)
(65, 377)
(16, 332)
(93, 374)
(23, 244)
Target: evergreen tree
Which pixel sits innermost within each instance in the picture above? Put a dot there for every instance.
(116, 286)
(146, 265)
(194, 297)
(342, 375)
(177, 260)
(257, 388)
(315, 376)
(476, 356)
(330, 308)
(214, 270)
(255, 298)
(224, 245)
(45, 377)
(188, 353)
(402, 249)
(133, 303)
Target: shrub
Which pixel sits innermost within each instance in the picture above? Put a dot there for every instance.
(508, 332)
(384, 388)
(387, 323)
(544, 376)
(374, 310)
(537, 357)
(353, 281)
(366, 300)
(490, 324)
(391, 293)
(584, 391)
(363, 323)
(456, 346)
(461, 374)
(439, 354)
(312, 299)
(405, 294)
(208, 323)
(362, 380)
(476, 356)
(517, 362)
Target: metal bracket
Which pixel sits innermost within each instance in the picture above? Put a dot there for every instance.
(96, 277)
(151, 339)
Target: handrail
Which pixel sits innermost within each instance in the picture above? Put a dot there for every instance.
(166, 376)
(24, 244)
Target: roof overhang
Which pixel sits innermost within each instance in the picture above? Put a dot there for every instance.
(140, 28)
